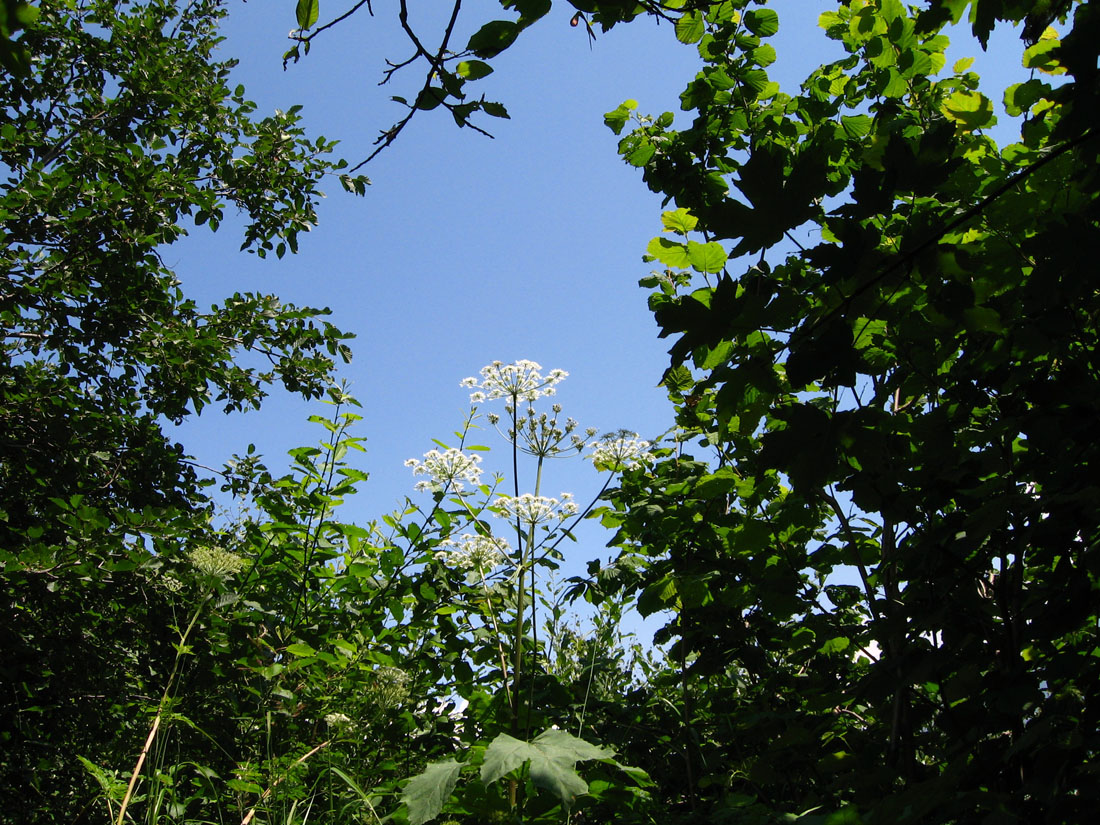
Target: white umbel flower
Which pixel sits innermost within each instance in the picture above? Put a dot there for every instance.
(389, 687)
(450, 469)
(522, 380)
(620, 451)
(473, 552)
(216, 561)
(531, 510)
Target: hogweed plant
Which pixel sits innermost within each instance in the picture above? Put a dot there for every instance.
(488, 545)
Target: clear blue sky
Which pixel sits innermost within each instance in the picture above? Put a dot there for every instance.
(466, 249)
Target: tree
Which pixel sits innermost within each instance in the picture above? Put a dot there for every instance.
(120, 130)
(892, 546)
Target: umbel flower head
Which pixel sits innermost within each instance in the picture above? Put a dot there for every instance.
(448, 469)
(532, 510)
(620, 451)
(542, 435)
(473, 552)
(339, 721)
(216, 561)
(518, 381)
(389, 688)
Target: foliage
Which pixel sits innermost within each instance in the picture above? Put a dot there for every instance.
(120, 130)
(15, 15)
(872, 535)
(489, 627)
(891, 548)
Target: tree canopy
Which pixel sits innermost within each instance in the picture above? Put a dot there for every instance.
(871, 532)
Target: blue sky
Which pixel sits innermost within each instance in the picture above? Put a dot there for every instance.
(466, 250)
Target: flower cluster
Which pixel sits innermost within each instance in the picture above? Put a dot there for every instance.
(532, 510)
(519, 381)
(448, 469)
(620, 451)
(216, 561)
(390, 687)
(339, 721)
(542, 435)
(473, 552)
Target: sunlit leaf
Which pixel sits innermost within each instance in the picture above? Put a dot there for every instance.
(426, 794)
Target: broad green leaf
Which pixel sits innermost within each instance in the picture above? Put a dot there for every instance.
(504, 755)
(689, 28)
(708, 257)
(761, 22)
(473, 69)
(617, 118)
(891, 9)
(560, 744)
(493, 38)
(1020, 97)
(495, 110)
(962, 65)
(426, 794)
(856, 126)
(429, 98)
(307, 12)
(553, 755)
(972, 110)
(835, 645)
(560, 777)
(657, 596)
(301, 649)
(718, 483)
(679, 220)
(1043, 55)
(677, 380)
(764, 55)
(670, 253)
(895, 86)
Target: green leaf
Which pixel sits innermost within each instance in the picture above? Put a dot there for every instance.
(307, 12)
(718, 483)
(495, 109)
(670, 253)
(1043, 55)
(708, 257)
(426, 794)
(677, 380)
(761, 22)
(689, 28)
(504, 755)
(1020, 97)
(553, 755)
(679, 220)
(473, 69)
(300, 649)
(617, 118)
(493, 38)
(429, 98)
(972, 110)
(836, 645)
(856, 126)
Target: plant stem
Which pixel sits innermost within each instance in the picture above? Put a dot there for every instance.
(160, 711)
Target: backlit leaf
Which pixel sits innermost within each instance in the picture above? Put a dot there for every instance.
(307, 12)
(689, 28)
(426, 794)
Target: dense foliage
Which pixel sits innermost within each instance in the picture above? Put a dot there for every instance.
(873, 532)
(881, 520)
(121, 129)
